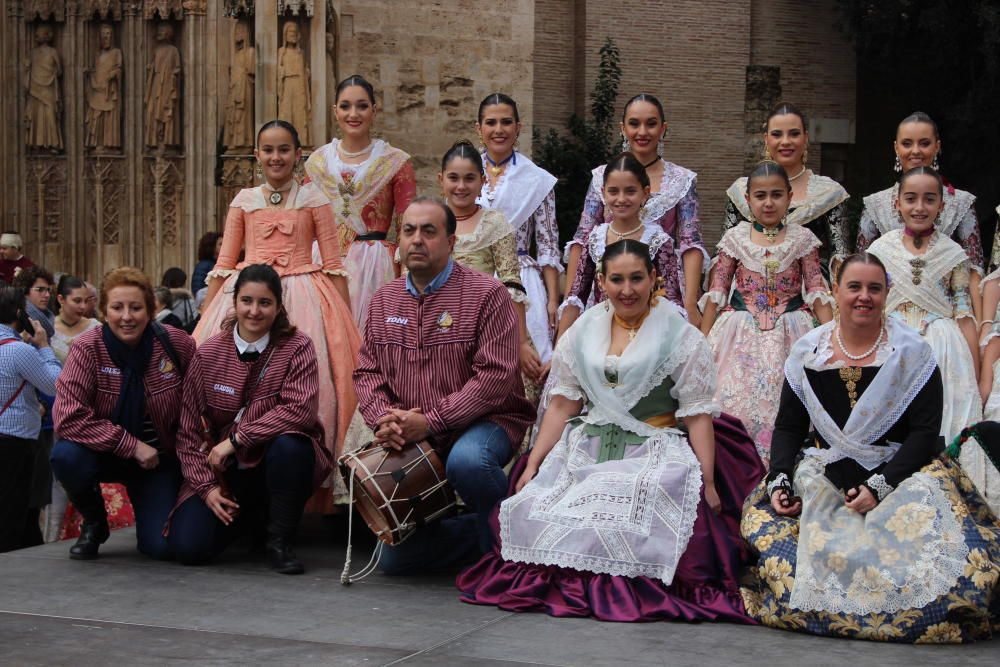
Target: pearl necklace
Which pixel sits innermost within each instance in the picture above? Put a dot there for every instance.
(866, 353)
(350, 155)
(621, 235)
(798, 174)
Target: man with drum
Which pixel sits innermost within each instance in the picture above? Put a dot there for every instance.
(439, 362)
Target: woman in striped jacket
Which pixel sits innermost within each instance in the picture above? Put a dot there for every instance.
(250, 440)
(116, 413)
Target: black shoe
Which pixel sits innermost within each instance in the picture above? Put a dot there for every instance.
(92, 536)
(282, 558)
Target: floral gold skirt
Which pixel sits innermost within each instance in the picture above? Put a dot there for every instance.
(921, 567)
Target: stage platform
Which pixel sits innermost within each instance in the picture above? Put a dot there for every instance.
(124, 610)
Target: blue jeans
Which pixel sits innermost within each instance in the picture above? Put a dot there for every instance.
(475, 470)
(152, 492)
(278, 487)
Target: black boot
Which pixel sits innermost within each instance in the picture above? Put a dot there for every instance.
(284, 514)
(94, 532)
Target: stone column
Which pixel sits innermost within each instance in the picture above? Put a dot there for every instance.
(320, 77)
(267, 34)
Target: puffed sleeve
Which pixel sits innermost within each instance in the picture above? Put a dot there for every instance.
(722, 281)
(961, 298)
(564, 381)
(583, 282)
(591, 216)
(404, 190)
(688, 232)
(694, 378)
(968, 235)
(813, 283)
(328, 240)
(867, 231)
(232, 243)
(547, 233)
(504, 253)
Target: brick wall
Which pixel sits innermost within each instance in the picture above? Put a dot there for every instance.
(694, 55)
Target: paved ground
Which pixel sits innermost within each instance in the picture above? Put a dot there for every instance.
(125, 610)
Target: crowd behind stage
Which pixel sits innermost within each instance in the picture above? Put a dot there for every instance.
(798, 429)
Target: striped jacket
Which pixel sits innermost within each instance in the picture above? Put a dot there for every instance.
(87, 391)
(452, 353)
(280, 391)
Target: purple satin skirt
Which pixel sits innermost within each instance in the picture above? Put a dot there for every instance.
(705, 586)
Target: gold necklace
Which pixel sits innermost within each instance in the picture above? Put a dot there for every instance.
(631, 329)
(851, 375)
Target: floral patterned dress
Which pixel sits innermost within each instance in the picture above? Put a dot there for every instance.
(368, 201)
(674, 208)
(526, 195)
(764, 295)
(822, 211)
(923, 566)
(930, 292)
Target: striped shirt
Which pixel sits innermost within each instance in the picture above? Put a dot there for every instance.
(452, 353)
(280, 394)
(19, 362)
(87, 392)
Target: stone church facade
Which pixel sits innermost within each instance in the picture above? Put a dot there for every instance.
(127, 124)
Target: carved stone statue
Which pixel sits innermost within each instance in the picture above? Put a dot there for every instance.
(163, 84)
(104, 100)
(238, 129)
(294, 94)
(44, 108)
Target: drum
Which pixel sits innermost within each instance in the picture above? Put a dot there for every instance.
(397, 491)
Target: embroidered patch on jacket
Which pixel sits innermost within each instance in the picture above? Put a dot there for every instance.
(445, 321)
(111, 370)
(166, 367)
(396, 320)
(224, 389)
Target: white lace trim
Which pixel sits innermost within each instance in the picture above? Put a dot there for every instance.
(798, 243)
(779, 482)
(715, 296)
(652, 235)
(942, 257)
(881, 207)
(878, 484)
(338, 272)
(823, 194)
(491, 228)
(221, 273)
(572, 393)
(703, 407)
(823, 297)
(932, 573)
(570, 301)
(517, 296)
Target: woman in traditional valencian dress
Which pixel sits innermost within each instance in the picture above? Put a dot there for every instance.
(626, 189)
(918, 144)
(870, 535)
(277, 223)
(485, 242)
(930, 280)
(620, 514)
(818, 202)
(370, 184)
(672, 203)
(525, 194)
(775, 268)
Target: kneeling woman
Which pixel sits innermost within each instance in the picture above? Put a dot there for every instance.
(116, 413)
(622, 515)
(250, 443)
(871, 535)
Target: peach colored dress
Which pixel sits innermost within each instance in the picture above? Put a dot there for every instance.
(283, 238)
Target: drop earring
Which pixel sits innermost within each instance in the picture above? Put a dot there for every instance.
(260, 172)
(898, 166)
(934, 163)
(625, 145)
(767, 153)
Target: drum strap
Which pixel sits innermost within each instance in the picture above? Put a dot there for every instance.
(346, 578)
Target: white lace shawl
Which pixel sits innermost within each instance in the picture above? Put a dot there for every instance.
(905, 372)
(491, 228)
(676, 182)
(798, 243)
(521, 190)
(823, 194)
(881, 207)
(665, 345)
(941, 258)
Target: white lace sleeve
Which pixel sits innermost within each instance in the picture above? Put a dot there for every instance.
(694, 381)
(564, 382)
